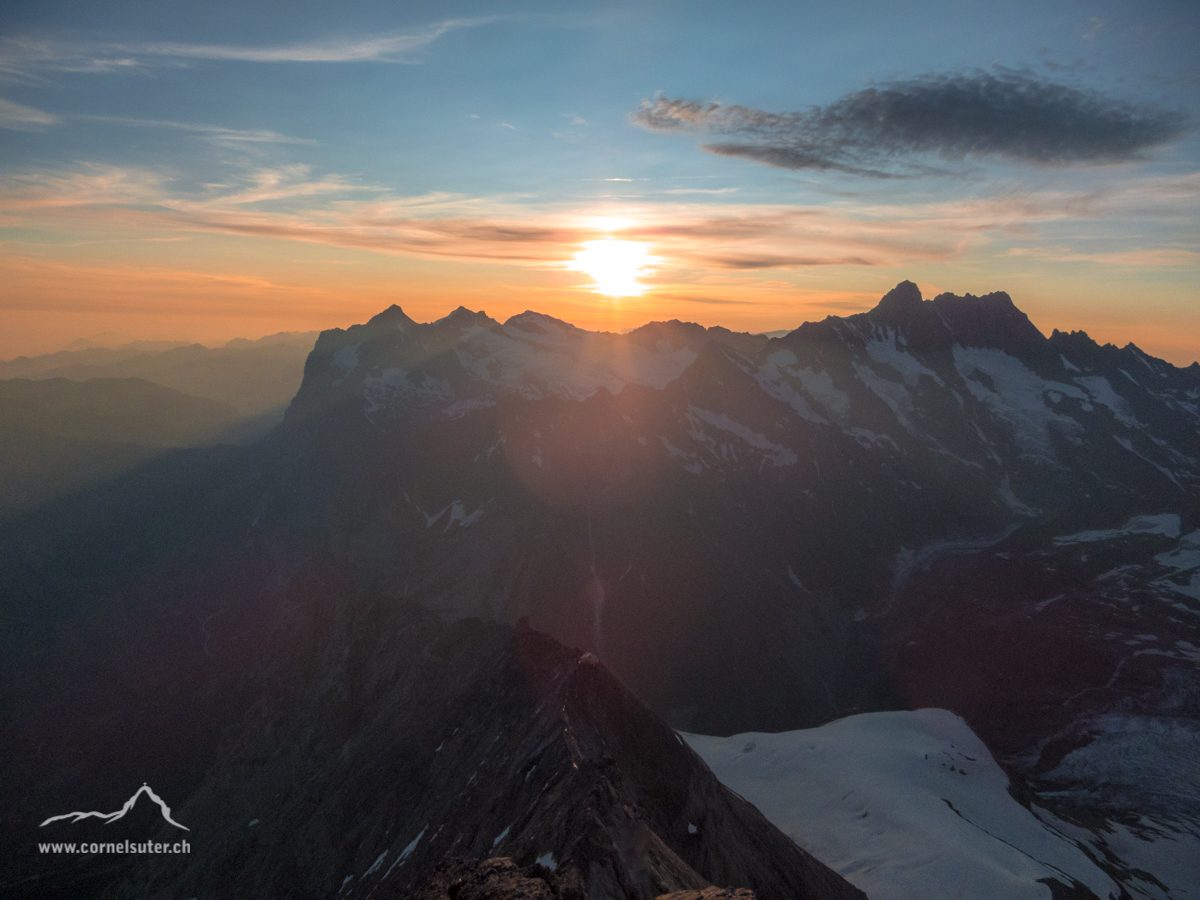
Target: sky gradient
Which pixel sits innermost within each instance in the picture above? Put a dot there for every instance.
(204, 171)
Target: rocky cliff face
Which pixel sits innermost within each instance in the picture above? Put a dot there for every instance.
(416, 745)
(704, 510)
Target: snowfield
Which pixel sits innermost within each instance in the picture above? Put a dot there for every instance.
(911, 806)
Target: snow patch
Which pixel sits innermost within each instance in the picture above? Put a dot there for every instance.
(671, 448)
(547, 860)
(904, 805)
(1136, 762)
(793, 579)
(1165, 524)
(1127, 445)
(346, 359)
(1019, 397)
(777, 454)
(1102, 392)
(868, 438)
(820, 386)
(889, 354)
(773, 378)
(1013, 502)
(1185, 555)
(462, 407)
(894, 394)
(395, 385)
(404, 854)
(536, 356)
(375, 865)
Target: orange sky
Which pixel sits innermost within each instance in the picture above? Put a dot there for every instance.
(211, 288)
(204, 174)
(111, 250)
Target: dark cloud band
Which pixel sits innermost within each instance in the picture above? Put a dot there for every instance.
(882, 131)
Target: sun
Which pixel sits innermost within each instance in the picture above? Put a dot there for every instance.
(615, 266)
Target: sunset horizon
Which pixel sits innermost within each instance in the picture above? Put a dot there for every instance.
(185, 178)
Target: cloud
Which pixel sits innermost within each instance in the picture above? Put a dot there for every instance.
(19, 56)
(291, 203)
(34, 194)
(1163, 258)
(392, 48)
(720, 301)
(885, 131)
(214, 133)
(24, 118)
(16, 117)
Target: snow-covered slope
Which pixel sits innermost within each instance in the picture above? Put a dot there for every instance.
(912, 806)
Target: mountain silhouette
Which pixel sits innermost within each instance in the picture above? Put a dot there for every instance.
(120, 813)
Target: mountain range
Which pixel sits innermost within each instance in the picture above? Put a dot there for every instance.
(254, 377)
(930, 504)
(72, 419)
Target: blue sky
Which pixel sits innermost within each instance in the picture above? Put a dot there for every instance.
(210, 170)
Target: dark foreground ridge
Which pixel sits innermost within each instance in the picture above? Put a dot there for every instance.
(472, 742)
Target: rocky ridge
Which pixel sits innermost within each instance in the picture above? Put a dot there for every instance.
(464, 743)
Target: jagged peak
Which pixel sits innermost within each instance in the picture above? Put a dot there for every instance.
(904, 296)
(999, 299)
(464, 318)
(678, 334)
(392, 316)
(537, 322)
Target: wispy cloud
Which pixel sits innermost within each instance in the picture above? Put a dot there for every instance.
(215, 133)
(1137, 258)
(22, 56)
(291, 203)
(16, 117)
(727, 190)
(889, 130)
(37, 193)
(274, 205)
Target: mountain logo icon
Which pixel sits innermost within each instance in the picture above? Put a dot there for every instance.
(120, 813)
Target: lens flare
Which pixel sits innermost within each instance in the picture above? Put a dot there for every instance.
(615, 266)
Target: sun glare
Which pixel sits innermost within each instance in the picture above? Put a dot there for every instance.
(615, 266)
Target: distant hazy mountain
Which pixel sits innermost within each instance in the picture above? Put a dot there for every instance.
(116, 341)
(58, 436)
(928, 504)
(254, 377)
